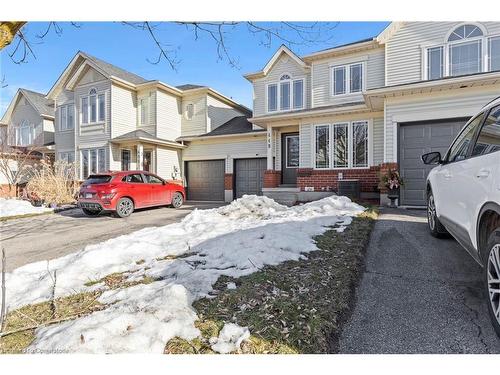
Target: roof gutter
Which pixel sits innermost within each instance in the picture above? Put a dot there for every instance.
(149, 140)
(202, 137)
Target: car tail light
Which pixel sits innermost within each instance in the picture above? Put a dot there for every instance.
(108, 195)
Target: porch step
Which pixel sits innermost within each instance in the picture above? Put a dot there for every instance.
(288, 186)
(287, 198)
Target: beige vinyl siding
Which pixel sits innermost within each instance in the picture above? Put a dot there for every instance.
(198, 124)
(453, 104)
(284, 64)
(169, 113)
(48, 131)
(64, 97)
(90, 76)
(115, 162)
(373, 61)
(306, 144)
(167, 161)
(123, 111)
(23, 111)
(378, 140)
(227, 149)
(404, 49)
(219, 112)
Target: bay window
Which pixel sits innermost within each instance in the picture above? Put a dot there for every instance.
(466, 51)
(93, 161)
(68, 157)
(341, 145)
(288, 94)
(66, 117)
(93, 107)
(347, 79)
(25, 134)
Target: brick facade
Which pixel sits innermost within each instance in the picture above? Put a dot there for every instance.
(321, 180)
(228, 181)
(272, 178)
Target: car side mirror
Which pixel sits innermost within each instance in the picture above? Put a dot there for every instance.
(432, 158)
(163, 182)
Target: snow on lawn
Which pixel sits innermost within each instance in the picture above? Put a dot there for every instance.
(15, 207)
(233, 240)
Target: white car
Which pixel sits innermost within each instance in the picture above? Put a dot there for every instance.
(463, 196)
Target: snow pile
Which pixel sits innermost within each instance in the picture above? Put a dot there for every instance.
(230, 338)
(15, 207)
(186, 258)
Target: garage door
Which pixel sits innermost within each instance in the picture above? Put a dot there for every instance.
(249, 176)
(205, 180)
(416, 139)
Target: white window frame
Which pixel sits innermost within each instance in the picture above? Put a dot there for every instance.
(484, 43)
(350, 145)
(31, 133)
(488, 55)
(291, 80)
(64, 155)
(87, 151)
(96, 94)
(144, 106)
(64, 126)
(347, 68)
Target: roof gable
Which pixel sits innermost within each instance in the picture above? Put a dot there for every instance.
(276, 57)
(389, 31)
(78, 65)
(43, 106)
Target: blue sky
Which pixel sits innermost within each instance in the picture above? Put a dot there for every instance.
(130, 49)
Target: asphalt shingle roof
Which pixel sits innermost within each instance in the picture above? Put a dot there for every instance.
(237, 125)
(113, 70)
(189, 86)
(41, 104)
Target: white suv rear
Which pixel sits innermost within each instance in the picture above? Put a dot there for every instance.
(463, 196)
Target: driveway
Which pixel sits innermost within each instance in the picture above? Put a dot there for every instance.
(47, 237)
(418, 294)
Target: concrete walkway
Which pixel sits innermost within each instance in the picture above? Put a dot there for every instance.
(418, 294)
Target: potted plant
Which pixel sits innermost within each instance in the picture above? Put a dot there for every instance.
(392, 181)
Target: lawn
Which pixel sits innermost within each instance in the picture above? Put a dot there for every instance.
(288, 274)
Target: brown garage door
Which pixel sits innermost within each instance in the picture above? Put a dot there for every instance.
(416, 139)
(249, 176)
(205, 180)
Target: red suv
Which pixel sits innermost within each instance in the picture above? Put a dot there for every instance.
(122, 192)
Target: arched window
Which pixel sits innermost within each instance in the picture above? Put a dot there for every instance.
(92, 91)
(465, 32)
(285, 77)
(467, 49)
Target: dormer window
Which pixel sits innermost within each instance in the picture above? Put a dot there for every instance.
(286, 95)
(189, 111)
(466, 50)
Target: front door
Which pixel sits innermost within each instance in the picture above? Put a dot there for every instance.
(289, 158)
(147, 160)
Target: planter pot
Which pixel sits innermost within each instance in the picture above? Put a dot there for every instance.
(393, 194)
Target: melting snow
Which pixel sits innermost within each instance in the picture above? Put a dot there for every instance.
(230, 338)
(233, 240)
(14, 207)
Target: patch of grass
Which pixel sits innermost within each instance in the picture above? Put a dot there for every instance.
(25, 215)
(118, 280)
(295, 307)
(40, 314)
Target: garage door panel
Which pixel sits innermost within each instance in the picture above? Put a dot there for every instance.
(416, 139)
(205, 180)
(249, 176)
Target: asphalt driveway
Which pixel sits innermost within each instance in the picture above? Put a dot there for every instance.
(418, 294)
(47, 237)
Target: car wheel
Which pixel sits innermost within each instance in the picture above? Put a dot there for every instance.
(177, 200)
(91, 213)
(492, 278)
(124, 207)
(435, 227)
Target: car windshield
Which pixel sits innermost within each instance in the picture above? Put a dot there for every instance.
(98, 179)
